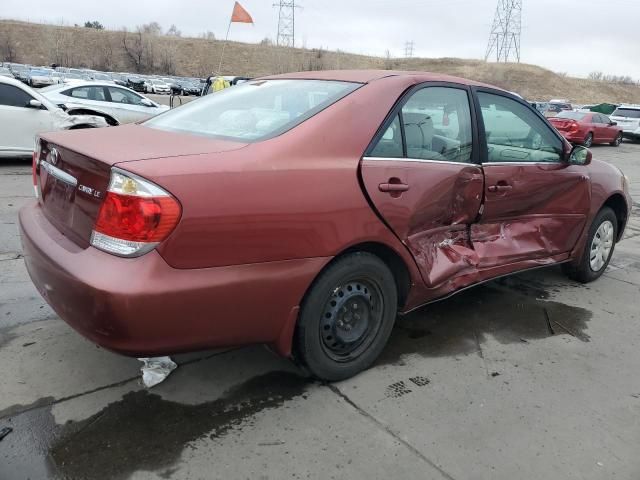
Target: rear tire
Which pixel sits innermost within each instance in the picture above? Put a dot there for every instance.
(601, 242)
(588, 141)
(617, 141)
(346, 317)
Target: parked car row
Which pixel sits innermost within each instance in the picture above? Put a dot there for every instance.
(41, 76)
(25, 113)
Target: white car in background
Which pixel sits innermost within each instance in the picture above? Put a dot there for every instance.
(158, 87)
(41, 77)
(24, 113)
(116, 104)
(628, 117)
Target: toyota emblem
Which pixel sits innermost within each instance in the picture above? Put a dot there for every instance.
(53, 155)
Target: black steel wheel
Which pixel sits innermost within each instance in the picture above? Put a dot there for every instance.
(346, 317)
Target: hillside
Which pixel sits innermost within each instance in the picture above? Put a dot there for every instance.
(77, 46)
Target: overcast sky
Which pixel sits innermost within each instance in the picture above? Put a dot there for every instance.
(574, 36)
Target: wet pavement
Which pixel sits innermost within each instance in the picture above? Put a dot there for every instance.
(530, 376)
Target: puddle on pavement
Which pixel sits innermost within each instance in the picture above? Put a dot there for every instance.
(511, 310)
(142, 431)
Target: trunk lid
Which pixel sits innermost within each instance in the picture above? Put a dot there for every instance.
(562, 124)
(74, 169)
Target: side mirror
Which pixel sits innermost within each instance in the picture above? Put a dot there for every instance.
(37, 104)
(147, 103)
(580, 156)
(613, 124)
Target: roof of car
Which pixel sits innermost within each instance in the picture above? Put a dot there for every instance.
(11, 81)
(367, 76)
(85, 83)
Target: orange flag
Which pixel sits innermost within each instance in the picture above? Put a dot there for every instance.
(240, 15)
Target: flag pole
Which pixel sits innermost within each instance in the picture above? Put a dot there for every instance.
(224, 45)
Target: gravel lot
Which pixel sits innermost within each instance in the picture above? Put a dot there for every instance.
(532, 377)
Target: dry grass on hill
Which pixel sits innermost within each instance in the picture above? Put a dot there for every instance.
(76, 46)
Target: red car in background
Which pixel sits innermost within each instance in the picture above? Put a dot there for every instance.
(305, 211)
(587, 128)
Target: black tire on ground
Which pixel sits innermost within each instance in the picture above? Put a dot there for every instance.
(588, 141)
(346, 317)
(584, 272)
(617, 141)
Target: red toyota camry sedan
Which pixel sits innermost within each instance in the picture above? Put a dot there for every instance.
(305, 211)
(587, 128)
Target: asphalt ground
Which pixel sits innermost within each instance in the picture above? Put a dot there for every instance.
(530, 377)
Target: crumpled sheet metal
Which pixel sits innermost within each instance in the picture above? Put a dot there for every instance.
(64, 121)
(156, 369)
(443, 254)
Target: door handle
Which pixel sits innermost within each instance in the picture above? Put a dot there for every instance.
(393, 187)
(499, 188)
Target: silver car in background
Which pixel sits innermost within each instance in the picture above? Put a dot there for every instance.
(118, 105)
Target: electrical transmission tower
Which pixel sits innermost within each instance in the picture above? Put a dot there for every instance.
(504, 40)
(286, 23)
(408, 49)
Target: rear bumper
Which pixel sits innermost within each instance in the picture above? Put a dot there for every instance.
(144, 307)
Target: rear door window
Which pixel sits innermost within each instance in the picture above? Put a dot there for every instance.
(437, 124)
(390, 144)
(87, 93)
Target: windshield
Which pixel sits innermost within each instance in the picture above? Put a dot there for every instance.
(157, 82)
(572, 115)
(626, 112)
(42, 73)
(101, 76)
(254, 111)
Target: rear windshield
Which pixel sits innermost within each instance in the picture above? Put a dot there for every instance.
(572, 115)
(255, 110)
(626, 112)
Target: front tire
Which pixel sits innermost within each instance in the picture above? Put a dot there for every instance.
(601, 242)
(346, 317)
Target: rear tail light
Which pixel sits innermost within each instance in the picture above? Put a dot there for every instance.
(574, 127)
(135, 216)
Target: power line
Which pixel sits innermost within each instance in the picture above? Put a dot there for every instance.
(286, 23)
(408, 49)
(506, 31)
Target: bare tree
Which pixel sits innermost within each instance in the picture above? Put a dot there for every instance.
(168, 56)
(596, 76)
(152, 28)
(9, 47)
(208, 35)
(388, 61)
(139, 49)
(173, 31)
(61, 46)
(105, 56)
